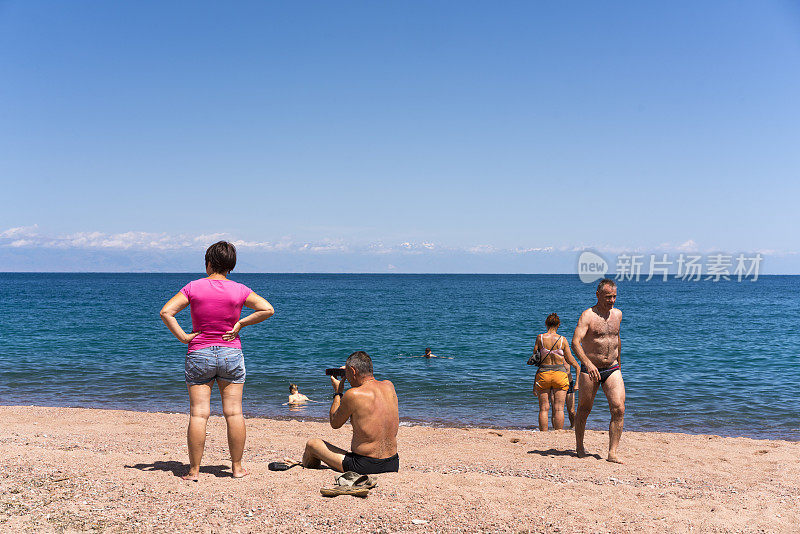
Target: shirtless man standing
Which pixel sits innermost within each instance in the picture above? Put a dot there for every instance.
(371, 406)
(597, 345)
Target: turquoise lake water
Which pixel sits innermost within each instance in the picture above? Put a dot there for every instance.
(699, 357)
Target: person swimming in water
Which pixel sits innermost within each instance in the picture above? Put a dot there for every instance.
(428, 355)
(295, 397)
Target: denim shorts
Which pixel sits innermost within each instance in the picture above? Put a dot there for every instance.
(211, 363)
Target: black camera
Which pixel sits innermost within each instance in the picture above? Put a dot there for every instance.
(337, 372)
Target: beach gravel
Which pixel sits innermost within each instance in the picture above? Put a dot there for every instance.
(86, 470)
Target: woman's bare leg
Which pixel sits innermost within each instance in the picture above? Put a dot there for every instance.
(558, 409)
(237, 432)
(199, 410)
(544, 409)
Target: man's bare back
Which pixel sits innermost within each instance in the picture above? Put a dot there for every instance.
(375, 418)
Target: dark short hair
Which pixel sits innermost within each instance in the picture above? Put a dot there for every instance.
(292, 387)
(552, 320)
(221, 256)
(361, 362)
(427, 349)
(606, 282)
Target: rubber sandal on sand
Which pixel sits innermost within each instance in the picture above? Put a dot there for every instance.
(335, 491)
(350, 483)
(281, 466)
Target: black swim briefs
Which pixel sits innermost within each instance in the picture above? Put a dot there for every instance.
(605, 372)
(364, 465)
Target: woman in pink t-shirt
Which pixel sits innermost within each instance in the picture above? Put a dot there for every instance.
(215, 352)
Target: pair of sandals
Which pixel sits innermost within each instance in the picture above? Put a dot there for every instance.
(348, 483)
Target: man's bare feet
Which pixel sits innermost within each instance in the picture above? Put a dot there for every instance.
(189, 477)
(581, 453)
(614, 459)
(240, 473)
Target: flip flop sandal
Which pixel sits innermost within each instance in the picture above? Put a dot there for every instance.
(344, 490)
(351, 478)
(280, 466)
(350, 483)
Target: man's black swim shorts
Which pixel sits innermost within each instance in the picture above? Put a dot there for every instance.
(364, 465)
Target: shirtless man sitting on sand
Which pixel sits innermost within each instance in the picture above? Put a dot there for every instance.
(597, 345)
(371, 406)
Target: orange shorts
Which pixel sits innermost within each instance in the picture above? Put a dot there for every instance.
(551, 380)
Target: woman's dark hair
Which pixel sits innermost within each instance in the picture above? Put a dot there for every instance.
(221, 257)
(292, 388)
(552, 321)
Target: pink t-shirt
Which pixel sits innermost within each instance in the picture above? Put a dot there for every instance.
(215, 306)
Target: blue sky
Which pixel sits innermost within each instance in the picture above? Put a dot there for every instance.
(406, 136)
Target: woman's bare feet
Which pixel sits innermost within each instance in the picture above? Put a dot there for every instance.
(240, 472)
(189, 477)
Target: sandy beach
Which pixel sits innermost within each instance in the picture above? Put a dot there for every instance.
(67, 469)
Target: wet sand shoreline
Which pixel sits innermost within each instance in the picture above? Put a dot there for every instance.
(600, 420)
(73, 469)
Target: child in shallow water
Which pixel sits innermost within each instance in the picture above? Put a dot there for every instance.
(295, 397)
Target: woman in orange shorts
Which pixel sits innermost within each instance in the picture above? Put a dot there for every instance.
(553, 373)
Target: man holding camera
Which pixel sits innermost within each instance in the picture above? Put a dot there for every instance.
(371, 407)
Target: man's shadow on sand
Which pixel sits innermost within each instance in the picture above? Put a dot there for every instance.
(556, 452)
(180, 468)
